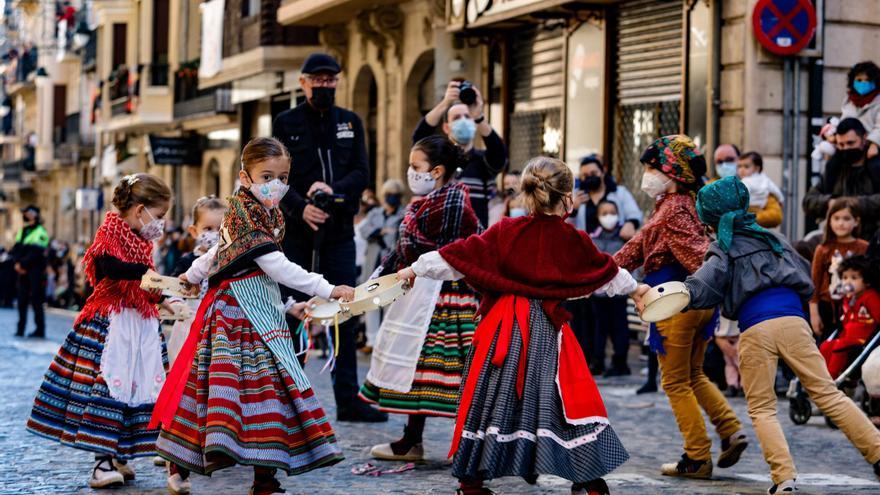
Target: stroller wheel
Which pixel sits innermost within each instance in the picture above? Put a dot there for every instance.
(799, 410)
(830, 423)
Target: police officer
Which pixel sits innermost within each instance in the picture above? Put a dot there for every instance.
(30, 256)
(329, 171)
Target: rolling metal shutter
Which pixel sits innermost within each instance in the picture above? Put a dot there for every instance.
(648, 83)
(649, 51)
(537, 76)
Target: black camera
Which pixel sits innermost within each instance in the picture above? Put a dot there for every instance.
(326, 201)
(467, 94)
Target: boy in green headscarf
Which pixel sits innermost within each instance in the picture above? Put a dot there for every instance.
(757, 278)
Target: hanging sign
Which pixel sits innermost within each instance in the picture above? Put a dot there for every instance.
(784, 27)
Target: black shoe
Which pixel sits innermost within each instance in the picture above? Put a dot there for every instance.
(360, 413)
(19, 333)
(618, 371)
(648, 388)
(734, 391)
(37, 335)
(597, 369)
(877, 469)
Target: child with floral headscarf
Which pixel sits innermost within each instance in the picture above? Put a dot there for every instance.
(758, 279)
(670, 247)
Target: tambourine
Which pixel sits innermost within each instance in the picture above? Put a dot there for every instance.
(170, 286)
(375, 294)
(184, 313)
(324, 312)
(665, 301)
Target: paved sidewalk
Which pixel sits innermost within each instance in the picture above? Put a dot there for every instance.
(828, 464)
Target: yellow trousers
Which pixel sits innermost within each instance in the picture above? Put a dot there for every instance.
(688, 387)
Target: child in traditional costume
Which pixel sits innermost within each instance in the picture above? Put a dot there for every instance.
(670, 247)
(237, 394)
(100, 389)
(529, 405)
(758, 279)
(207, 215)
(442, 326)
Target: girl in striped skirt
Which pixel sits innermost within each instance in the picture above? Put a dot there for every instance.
(442, 327)
(237, 394)
(100, 388)
(529, 405)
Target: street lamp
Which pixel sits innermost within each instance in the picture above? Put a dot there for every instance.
(82, 35)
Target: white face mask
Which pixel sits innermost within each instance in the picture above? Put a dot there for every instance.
(269, 194)
(608, 222)
(653, 184)
(518, 212)
(726, 169)
(420, 183)
(153, 229)
(206, 240)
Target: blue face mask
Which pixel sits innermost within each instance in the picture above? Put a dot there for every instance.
(463, 130)
(725, 169)
(863, 87)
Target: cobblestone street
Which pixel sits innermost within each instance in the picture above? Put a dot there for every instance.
(828, 464)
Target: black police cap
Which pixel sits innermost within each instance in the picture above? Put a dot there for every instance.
(320, 62)
(31, 208)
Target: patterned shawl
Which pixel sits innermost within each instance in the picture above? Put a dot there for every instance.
(248, 230)
(116, 238)
(440, 218)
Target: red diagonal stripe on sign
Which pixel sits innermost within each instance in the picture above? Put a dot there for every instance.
(784, 21)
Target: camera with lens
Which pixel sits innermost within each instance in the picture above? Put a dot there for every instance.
(327, 202)
(467, 94)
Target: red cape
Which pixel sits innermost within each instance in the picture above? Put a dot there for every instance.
(538, 257)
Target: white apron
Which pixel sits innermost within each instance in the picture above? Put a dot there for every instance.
(131, 362)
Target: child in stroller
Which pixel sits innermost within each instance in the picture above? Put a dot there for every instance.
(861, 314)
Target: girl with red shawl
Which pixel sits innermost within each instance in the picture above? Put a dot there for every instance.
(444, 318)
(529, 405)
(101, 387)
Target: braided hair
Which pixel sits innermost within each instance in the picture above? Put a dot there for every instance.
(140, 189)
(545, 183)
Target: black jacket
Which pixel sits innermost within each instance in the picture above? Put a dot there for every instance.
(862, 183)
(481, 169)
(327, 147)
(31, 256)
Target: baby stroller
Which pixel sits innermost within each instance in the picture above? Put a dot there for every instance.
(850, 382)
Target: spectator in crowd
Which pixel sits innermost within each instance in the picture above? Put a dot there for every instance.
(8, 276)
(328, 174)
(765, 197)
(725, 159)
(824, 147)
(609, 313)
(508, 202)
(30, 256)
(461, 123)
(849, 173)
(379, 228)
(863, 102)
(595, 186)
(841, 242)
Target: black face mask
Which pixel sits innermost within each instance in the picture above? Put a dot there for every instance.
(851, 156)
(509, 192)
(323, 98)
(393, 200)
(591, 183)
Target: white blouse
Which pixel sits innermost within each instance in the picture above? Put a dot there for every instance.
(276, 266)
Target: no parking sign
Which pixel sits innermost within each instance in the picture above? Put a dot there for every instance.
(784, 27)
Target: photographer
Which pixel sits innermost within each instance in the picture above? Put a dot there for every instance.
(329, 171)
(461, 113)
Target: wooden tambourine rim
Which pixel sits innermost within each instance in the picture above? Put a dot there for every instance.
(170, 286)
(669, 296)
(366, 302)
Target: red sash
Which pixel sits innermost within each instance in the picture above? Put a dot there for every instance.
(580, 396)
(175, 382)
